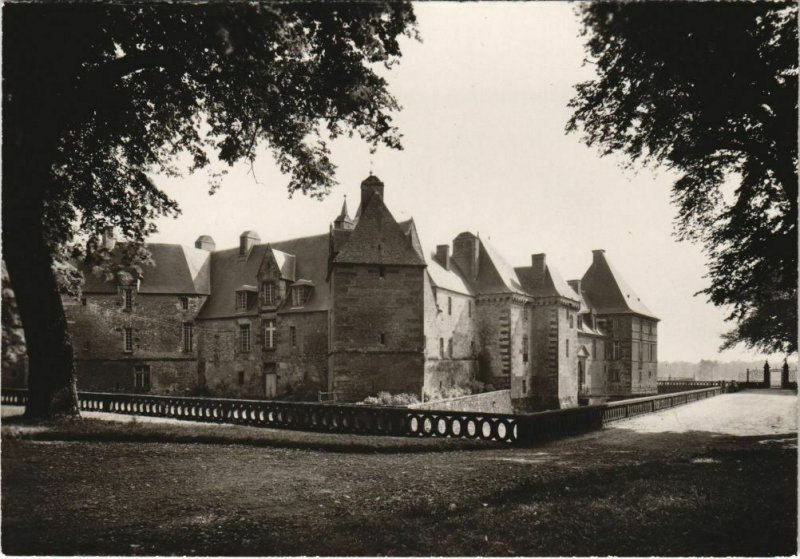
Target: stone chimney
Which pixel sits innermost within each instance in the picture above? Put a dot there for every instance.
(443, 255)
(369, 186)
(109, 242)
(466, 249)
(205, 242)
(247, 241)
(538, 269)
(597, 255)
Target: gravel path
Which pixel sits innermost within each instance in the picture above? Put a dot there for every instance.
(750, 412)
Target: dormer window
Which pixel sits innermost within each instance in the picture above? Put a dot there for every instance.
(241, 300)
(300, 292)
(269, 291)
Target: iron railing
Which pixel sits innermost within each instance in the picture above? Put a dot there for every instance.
(375, 420)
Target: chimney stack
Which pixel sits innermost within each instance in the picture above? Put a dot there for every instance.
(538, 269)
(205, 242)
(597, 255)
(443, 255)
(247, 240)
(466, 250)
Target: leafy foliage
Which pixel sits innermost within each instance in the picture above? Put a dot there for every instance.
(112, 93)
(710, 90)
(388, 399)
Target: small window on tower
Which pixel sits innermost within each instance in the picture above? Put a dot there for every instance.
(185, 303)
(127, 294)
(241, 377)
(383, 338)
(449, 305)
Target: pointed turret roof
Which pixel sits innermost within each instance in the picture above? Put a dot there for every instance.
(378, 239)
(344, 216)
(607, 292)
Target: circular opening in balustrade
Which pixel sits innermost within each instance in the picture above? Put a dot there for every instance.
(413, 425)
(441, 426)
(502, 430)
(261, 416)
(486, 429)
(427, 425)
(455, 427)
(472, 428)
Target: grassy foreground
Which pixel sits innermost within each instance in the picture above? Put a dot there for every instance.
(97, 488)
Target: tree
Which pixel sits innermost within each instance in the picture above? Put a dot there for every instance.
(98, 98)
(709, 90)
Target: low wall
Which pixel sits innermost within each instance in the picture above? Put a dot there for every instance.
(496, 401)
(523, 429)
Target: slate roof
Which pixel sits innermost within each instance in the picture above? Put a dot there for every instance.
(495, 274)
(452, 279)
(607, 292)
(378, 239)
(178, 269)
(552, 286)
(308, 257)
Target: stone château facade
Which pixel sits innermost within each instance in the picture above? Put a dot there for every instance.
(360, 309)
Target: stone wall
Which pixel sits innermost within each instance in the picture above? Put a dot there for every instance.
(497, 401)
(377, 330)
(302, 369)
(96, 325)
(224, 368)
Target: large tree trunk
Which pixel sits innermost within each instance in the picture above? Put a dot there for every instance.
(51, 380)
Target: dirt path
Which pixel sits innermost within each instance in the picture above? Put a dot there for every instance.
(629, 490)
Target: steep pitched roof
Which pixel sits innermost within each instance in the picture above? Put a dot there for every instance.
(552, 285)
(378, 239)
(309, 260)
(607, 292)
(452, 279)
(495, 274)
(177, 269)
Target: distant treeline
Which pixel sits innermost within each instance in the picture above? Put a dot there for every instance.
(708, 369)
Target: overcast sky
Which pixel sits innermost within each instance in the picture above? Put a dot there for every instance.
(484, 101)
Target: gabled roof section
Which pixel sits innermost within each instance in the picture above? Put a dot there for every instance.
(311, 268)
(495, 274)
(286, 263)
(452, 279)
(552, 285)
(378, 239)
(177, 269)
(607, 292)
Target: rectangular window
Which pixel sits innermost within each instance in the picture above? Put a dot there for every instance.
(127, 339)
(567, 348)
(241, 377)
(569, 318)
(383, 338)
(83, 301)
(298, 296)
(244, 337)
(472, 347)
(449, 305)
(450, 348)
(524, 387)
(141, 378)
(382, 271)
(640, 350)
(241, 300)
(524, 349)
(188, 336)
(293, 336)
(616, 352)
(469, 308)
(128, 295)
(580, 322)
(269, 293)
(269, 334)
(185, 303)
(524, 314)
(441, 347)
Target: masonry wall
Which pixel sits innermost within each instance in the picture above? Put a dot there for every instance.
(644, 371)
(544, 359)
(596, 385)
(302, 368)
(449, 316)
(495, 340)
(224, 369)
(97, 332)
(367, 306)
(568, 357)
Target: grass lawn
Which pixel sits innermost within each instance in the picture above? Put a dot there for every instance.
(96, 487)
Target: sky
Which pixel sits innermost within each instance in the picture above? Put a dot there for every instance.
(484, 99)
